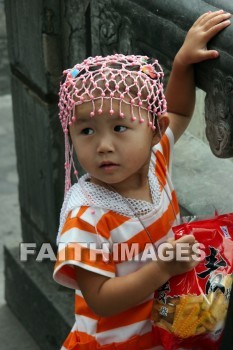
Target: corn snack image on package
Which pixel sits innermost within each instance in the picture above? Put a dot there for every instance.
(190, 310)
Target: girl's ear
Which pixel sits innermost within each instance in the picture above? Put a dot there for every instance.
(163, 123)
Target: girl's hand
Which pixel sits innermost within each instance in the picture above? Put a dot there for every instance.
(194, 48)
(185, 258)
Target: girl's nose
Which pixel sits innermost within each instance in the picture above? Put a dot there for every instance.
(105, 145)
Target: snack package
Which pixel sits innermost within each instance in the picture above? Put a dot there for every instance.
(190, 309)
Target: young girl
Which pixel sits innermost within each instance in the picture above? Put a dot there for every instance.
(114, 115)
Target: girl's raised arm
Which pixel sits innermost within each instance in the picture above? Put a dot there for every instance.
(180, 92)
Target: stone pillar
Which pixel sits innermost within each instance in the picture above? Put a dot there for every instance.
(44, 37)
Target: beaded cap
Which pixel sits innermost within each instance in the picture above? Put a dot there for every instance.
(132, 80)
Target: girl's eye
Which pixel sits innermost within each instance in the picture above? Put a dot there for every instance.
(87, 131)
(120, 128)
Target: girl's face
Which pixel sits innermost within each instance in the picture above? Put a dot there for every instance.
(114, 151)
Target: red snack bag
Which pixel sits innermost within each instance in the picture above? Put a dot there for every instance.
(190, 309)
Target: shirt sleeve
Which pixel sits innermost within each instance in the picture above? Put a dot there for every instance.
(81, 245)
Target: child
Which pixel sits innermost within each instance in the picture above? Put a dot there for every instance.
(114, 112)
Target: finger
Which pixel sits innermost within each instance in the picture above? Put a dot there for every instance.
(219, 20)
(190, 238)
(208, 55)
(186, 239)
(211, 54)
(216, 29)
(200, 19)
(210, 16)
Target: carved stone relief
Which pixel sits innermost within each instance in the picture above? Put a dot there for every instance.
(115, 30)
(219, 115)
(74, 30)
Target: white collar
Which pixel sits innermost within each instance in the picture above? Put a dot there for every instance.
(85, 193)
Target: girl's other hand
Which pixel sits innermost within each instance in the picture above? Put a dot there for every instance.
(184, 256)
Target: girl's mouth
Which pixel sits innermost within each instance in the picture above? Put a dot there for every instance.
(108, 166)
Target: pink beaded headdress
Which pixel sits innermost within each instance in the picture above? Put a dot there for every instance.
(133, 80)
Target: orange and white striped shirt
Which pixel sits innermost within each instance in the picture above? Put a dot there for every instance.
(95, 238)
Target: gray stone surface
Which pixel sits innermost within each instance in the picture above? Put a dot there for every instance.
(13, 335)
(38, 156)
(75, 18)
(203, 182)
(10, 230)
(23, 294)
(34, 37)
(38, 298)
(4, 62)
